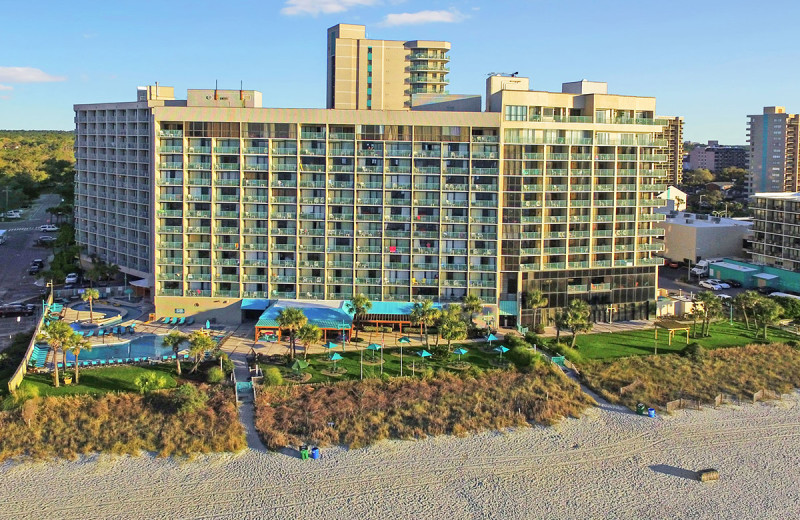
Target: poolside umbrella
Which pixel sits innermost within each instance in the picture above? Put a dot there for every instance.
(460, 351)
(373, 347)
(299, 365)
(404, 339)
(490, 338)
(501, 349)
(335, 357)
(329, 345)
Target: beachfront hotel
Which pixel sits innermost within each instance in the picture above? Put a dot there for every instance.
(215, 201)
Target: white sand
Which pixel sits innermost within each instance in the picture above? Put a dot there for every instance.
(596, 467)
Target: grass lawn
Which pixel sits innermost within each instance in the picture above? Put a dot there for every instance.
(100, 380)
(391, 362)
(640, 342)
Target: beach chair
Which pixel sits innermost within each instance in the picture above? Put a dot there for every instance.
(115, 330)
(119, 361)
(145, 358)
(174, 320)
(163, 320)
(79, 332)
(59, 365)
(173, 356)
(95, 363)
(189, 320)
(86, 363)
(70, 364)
(164, 358)
(89, 334)
(103, 362)
(127, 360)
(136, 360)
(181, 321)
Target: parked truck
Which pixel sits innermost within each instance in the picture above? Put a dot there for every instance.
(701, 268)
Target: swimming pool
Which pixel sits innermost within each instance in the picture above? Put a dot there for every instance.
(149, 345)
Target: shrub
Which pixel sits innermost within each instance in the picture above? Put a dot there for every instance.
(794, 344)
(215, 375)
(440, 353)
(513, 341)
(23, 394)
(356, 340)
(565, 350)
(372, 328)
(521, 357)
(227, 364)
(188, 398)
(694, 351)
(539, 329)
(149, 382)
(273, 377)
(533, 339)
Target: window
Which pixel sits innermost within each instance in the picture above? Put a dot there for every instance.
(516, 113)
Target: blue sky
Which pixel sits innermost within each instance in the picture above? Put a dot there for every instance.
(713, 62)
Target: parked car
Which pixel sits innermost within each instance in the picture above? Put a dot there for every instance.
(721, 284)
(38, 262)
(708, 285)
(48, 227)
(673, 265)
(46, 240)
(34, 269)
(71, 278)
(766, 290)
(16, 309)
(13, 214)
(733, 283)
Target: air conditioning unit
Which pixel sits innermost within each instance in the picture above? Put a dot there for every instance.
(319, 280)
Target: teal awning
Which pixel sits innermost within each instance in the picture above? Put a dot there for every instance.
(508, 308)
(254, 304)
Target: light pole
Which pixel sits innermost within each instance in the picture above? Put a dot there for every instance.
(700, 202)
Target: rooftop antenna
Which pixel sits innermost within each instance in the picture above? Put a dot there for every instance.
(216, 84)
(241, 93)
(156, 89)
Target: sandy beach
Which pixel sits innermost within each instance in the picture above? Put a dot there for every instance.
(609, 463)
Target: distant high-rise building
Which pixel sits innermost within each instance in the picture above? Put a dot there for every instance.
(716, 157)
(772, 158)
(776, 238)
(673, 135)
(367, 74)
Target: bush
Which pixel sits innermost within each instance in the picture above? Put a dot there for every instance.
(539, 329)
(568, 352)
(533, 339)
(513, 341)
(794, 344)
(215, 375)
(273, 377)
(440, 353)
(694, 351)
(188, 398)
(521, 357)
(17, 399)
(227, 364)
(150, 382)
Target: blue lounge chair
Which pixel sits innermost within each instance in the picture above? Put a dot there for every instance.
(189, 320)
(115, 330)
(173, 356)
(181, 321)
(145, 358)
(59, 365)
(89, 334)
(164, 358)
(85, 363)
(69, 364)
(164, 320)
(136, 360)
(103, 362)
(127, 360)
(119, 361)
(79, 332)
(186, 356)
(95, 363)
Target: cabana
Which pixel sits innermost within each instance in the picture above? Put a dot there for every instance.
(671, 326)
(391, 313)
(326, 316)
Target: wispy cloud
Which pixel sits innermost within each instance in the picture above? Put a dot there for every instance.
(27, 75)
(422, 17)
(315, 7)
(6, 87)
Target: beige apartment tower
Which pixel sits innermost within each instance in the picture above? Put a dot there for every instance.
(365, 74)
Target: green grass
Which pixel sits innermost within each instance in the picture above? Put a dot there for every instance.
(391, 362)
(641, 342)
(101, 380)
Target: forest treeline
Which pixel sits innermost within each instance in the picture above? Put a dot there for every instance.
(35, 161)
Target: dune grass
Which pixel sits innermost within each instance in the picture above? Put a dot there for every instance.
(359, 413)
(737, 371)
(126, 423)
(641, 342)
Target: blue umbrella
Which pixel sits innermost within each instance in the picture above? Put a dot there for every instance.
(404, 339)
(490, 338)
(460, 351)
(423, 353)
(373, 347)
(335, 357)
(208, 324)
(329, 345)
(501, 349)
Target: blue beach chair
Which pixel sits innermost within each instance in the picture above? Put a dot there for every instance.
(189, 320)
(181, 321)
(89, 334)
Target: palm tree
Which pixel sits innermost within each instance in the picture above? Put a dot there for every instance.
(174, 340)
(452, 325)
(535, 300)
(58, 335)
(90, 295)
(561, 322)
(578, 321)
(199, 344)
(745, 302)
(308, 334)
(425, 314)
(75, 345)
(711, 307)
(767, 312)
(472, 304)
(291, 319)
(359, 305)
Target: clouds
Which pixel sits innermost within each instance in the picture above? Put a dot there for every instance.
(422, 17)
(6, 87)
(26, 75)
(315, 7)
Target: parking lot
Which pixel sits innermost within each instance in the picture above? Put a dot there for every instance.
(674, 281)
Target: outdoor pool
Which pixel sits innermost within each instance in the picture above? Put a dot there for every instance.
(146, 346)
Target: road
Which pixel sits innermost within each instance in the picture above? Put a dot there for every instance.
(18, 251)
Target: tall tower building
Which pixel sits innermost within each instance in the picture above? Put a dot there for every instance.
(367, 74)
(673, 135)
(773, 151)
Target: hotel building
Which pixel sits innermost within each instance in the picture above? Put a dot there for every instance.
(772, 158)
(214, 199)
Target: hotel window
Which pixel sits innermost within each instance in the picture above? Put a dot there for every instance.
(516, 113)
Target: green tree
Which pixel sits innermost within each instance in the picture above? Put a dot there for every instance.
(90, 295)
(578, 313)
(472, 305)
(697, 177)
(745, 302)
(451, 325)
(199, 344)
(291, 319)
(174, 340)
(307, 335)
(561, 322)
(710, 307)
(767, 312)
(58, 334)
(425, 314)
(790, 306)
(150, 381)
(75, 344)
(359, 306)
(536, 301)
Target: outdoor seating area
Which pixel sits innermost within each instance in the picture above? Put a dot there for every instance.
(39, 356)
(174, 320)
(119, 330)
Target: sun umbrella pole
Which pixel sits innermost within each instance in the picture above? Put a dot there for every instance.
(401, 360)
(362, 364)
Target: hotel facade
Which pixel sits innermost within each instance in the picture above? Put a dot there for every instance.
(214, 199)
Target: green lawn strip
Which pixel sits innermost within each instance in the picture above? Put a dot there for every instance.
(100, 380)
(640, 342)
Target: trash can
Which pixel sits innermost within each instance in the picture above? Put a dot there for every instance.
(304, 452)
(651, 412)
(641, 409)
(315, 453)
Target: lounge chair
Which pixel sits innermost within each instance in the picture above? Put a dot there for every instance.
(127, 360)
(115, 330)
(136, 360)
(95, 363)
(103, 362)
(119, 361)
(86, 363)
(70, 364)
(59, 365)
(189, 320)
(145, 358)
(182, 321)
(173, 356)
(79, 332)
(164, 358)
(89, 334)
(165, 319)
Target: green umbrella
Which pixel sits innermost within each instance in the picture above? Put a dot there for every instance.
(299, 365)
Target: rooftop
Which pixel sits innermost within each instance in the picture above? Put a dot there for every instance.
(702, 220)
(325, 315)
(780, 195)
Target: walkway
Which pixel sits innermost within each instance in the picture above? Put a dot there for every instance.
(237, 351)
